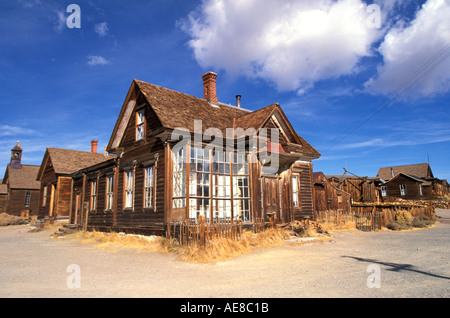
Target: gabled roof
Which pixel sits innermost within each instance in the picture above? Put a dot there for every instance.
(67, 161)
(422, 170)
(414, 178)
(22, 178)
(178, 110)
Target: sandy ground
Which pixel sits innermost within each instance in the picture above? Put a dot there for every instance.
(352, 264)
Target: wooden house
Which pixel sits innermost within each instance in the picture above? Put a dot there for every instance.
(55, 178)
(361, 189)
(3, 196)
(408, 187)
(22, 189)
(327, 197)
(181, 157)
(418, 177)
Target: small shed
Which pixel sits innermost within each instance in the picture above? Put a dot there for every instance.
(327, 197)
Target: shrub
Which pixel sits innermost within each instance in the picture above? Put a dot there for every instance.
(422, 221)
(403, 220)
(403, 217)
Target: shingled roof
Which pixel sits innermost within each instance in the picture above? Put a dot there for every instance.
(178, 110)
(422, 171)
(67, 161)
(22, 178)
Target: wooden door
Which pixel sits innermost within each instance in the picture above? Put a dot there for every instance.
(77, 209)
(52, 200)
(271, 195)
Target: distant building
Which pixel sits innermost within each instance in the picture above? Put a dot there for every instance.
(328, 197)
(20, 185)
(55, 178)
(412, 182)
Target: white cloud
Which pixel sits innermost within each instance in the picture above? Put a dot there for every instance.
(101, 28)
(61, 20)
(417, 56)
(97, 60)
(8, 130)
(291, 43)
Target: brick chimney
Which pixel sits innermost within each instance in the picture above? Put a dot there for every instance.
(209, 87)
(94, 146)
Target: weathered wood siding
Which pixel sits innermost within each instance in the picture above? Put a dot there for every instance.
(63, 193)
(16, 202)
(412, 189)
(306, 209)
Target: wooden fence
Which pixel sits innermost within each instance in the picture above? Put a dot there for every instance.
(192, 231)
(370, 217)
(201, 232)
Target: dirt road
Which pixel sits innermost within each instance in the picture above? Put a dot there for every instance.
(351, 264)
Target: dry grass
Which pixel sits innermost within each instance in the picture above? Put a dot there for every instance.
(332, 227)
(216, 250)
(7, 219)
(116, 241)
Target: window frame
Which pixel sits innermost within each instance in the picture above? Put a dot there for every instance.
(294, 193)
(44, 196)
(209, 183)
(384, 191)
(93, 195)
(109, 192)
(140, 125)
(402, 189)
(149, 203)
(128, 189)
(27, 198)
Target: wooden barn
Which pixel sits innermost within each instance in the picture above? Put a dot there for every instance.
(22, 189)
(180, 157)
(327, 197)
(55, 178)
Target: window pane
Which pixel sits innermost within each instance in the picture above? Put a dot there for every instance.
(140, 117)
(148, 187)
(295, 191)
(129, 189)
(139, 132)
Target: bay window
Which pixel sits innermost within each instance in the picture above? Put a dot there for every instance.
(218, 184)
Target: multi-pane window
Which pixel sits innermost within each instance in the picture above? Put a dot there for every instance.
(384, 191)
(27, 198)
(218, 183)
(241, 196)
(128, 187)
(295, 196)
(179, 178)
(148, 187)
(93, 195)
(402, 189)
(44, 196)
(109, 192)
(199, 182)
(140, 125)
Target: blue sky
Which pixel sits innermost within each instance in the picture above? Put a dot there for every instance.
(367, 88)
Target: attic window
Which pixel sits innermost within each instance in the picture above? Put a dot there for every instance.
(140, 125)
